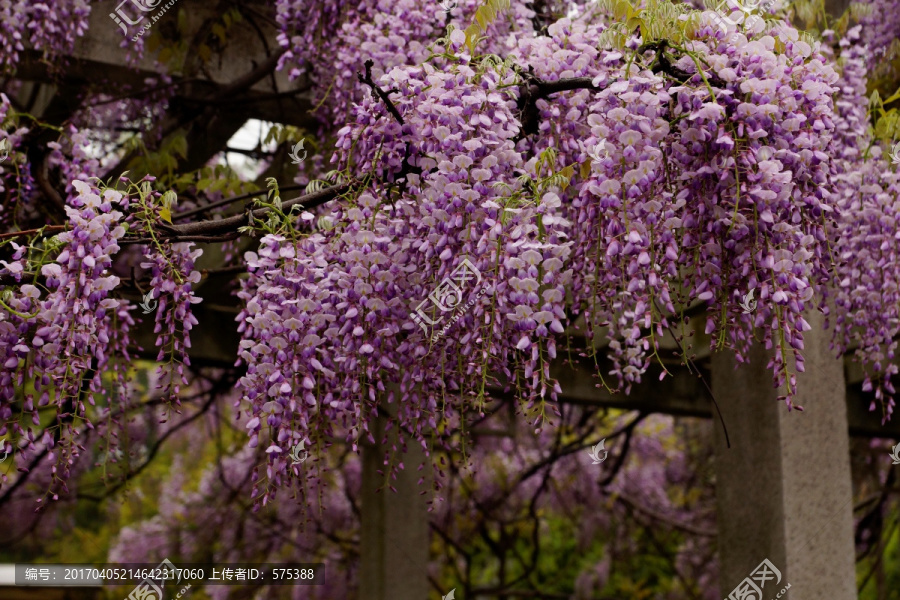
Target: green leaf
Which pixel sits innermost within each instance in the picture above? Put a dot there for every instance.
(585, 171)
(893, 98)
(219, 32)
(480, 19)
(179, 146)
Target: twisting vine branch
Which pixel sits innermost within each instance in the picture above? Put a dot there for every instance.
(533, 89)
(376, 90)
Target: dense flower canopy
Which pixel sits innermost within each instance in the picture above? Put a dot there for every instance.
(592, 179)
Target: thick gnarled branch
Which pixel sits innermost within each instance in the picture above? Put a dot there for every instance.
(533, 89)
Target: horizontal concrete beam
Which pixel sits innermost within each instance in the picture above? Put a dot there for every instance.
(686, 394)
(683, 393)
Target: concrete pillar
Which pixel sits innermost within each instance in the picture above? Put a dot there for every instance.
(783, 489)
(394, 539)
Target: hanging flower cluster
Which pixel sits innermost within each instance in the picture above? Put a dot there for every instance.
(50, 27)
(865, 244)
(759, 223)
(490, 213)
(328, 42)
(63, 341)
(879, 31)
(11, 178)
(681, 175)
(172, 274)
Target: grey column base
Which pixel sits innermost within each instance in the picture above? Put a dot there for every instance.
(394, 539)
(784, 489)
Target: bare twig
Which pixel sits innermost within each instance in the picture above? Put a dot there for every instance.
(634, 505)
(43, 180)
(367, 80)
(47, 229)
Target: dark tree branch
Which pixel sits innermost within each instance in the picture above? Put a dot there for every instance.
(662, 64)
(533, 89)
(41, 174)
(227, 201)
(151, 453)
(636, 506)
(367, 80)
(247, 81)
(47, 229)
(203, 239)
(628, 430)
(227, 225)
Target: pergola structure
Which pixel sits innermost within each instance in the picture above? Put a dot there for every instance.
(783, 486)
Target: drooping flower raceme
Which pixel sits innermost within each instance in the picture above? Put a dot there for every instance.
(172, 275)
(865, 245)
(63, 340)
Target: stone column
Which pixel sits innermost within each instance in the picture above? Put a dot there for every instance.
(783, 488)
(394, 540)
